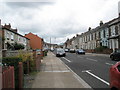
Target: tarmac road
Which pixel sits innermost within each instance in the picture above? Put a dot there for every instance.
(92, 68)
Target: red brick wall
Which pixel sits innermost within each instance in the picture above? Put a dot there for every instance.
(35, 41)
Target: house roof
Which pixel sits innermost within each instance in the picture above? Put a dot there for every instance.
(12, 30)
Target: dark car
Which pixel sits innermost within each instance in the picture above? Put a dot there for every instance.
(115, 55)
(80, 51)
(60, 52)
(72, 51)
(115, 77)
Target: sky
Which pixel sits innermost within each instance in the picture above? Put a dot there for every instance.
(56, 19)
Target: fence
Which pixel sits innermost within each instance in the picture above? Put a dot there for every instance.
(8, 77)
(20, 66)
(8, 73)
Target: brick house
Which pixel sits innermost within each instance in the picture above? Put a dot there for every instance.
(36, 42)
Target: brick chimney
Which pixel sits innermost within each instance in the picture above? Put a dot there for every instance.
(77, 35)
(7, 26)
(101, 23)
(89, 28)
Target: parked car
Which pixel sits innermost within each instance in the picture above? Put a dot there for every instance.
(51, 49)
(66, 50)
(115, 77)
(80, 51)
(60, 52)
(115, 55)
(72, 50)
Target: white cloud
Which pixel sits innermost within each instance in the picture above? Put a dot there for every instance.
(61, 19)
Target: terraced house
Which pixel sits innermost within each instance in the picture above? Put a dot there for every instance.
(106, 34)
(114, 34)
(11, 36)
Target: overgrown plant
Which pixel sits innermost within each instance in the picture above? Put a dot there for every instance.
(28, 61)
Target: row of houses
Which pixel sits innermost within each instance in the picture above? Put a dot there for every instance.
(106, 34)
(30, 41)
(11, 36)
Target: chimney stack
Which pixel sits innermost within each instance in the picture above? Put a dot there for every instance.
(101, 23)
(89, 28)
(77, 35)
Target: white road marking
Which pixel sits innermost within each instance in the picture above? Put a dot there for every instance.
(88, 71)
(66, 59)
(109, 64)
(91, 59)
(78, 78)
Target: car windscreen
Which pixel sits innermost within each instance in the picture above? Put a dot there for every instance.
(118, 51)
(60, 51)
(81, 50)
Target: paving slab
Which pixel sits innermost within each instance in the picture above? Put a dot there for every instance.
(55, 74)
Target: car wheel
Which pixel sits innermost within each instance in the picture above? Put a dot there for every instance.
(112, 57)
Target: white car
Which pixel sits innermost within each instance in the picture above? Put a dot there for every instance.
(60, 52)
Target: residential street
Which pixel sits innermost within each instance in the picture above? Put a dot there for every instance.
(92, 68)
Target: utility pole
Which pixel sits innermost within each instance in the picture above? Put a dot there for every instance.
(50, 43)
(55, 40)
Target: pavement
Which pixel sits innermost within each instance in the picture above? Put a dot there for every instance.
(56, 74)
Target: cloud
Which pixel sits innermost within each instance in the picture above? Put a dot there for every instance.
(61, 19)
(27, 4)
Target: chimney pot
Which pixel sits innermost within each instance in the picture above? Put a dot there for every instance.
(89, 28)
(101, 23)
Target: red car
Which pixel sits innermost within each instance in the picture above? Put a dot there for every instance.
(115, 77)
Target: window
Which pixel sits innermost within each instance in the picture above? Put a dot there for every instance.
(19, 39)
(109, 32)
(104, 33)
(12, 36)
(95, 35)
(24, 40)
(92, 36)
(116, 30)
(7, 35)
(113, 30)
(99, 35)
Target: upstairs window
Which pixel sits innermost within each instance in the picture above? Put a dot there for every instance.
(7, 35)
(104, 33)
(116, 30)
(12, 36)
(109, 32)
